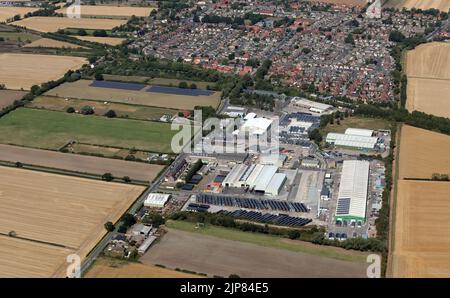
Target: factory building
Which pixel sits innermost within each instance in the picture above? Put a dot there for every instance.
(156, 200)
(352, 196)
(353, 137)
(312, 106)
(257, 177)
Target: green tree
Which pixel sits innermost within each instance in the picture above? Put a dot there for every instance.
(109, 226)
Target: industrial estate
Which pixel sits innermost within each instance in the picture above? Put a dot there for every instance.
(224, 138)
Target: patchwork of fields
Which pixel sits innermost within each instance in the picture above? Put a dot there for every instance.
(53, 24)
(82, 89)
(113, 41)
(51, 43)
(421, 241)
(428, 71)
(52, 130)
(64, 215)
(19, 71)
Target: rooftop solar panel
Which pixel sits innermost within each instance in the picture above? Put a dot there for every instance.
(179, 91)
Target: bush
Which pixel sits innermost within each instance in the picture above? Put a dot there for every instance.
(107, 177)
(111, 114)
(109, 226)
(70, 110)
(126, 179)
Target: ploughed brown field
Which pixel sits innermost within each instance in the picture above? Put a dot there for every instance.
(422, 230)
(9, 12)
(80, 163)
(25, 70)
(443, 5)
(7, 97)
(222, 257)
(53, 24)
(422, 153)
(428, 72)
(53, 216)
(113, 11)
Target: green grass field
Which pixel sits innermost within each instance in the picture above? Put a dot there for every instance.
(51, 130)
(269, 241)
(356, 122)
(122, 110)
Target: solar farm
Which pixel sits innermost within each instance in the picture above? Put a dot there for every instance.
(267, 218)
(137, 94)
(258, 204)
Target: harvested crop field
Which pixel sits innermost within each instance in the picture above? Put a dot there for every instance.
(112, 11)
(7, 97)
(422, 232)
(113, 268)
(52, 130)
(53, 24)
(112, 41)
(25, 70)
(100, 107)
(64, 212)
(80, 163)
(443, 5)
(422, 153)
(7, 13)
(216, 256)
(51, 43)
(428, 71)
(81, 89)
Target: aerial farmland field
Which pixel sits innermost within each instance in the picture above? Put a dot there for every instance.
(443, 5)
(428, 71)
(82, 89)
(80, 163)
(113, 11)
(51, 43)
(9, 12)
(52, 130)
(112, 41)
(422, 241)
(19, 71)
(122, 110)
(7, 97)
(53, 24)
(422, 153)
(360, 3)
(64, 215)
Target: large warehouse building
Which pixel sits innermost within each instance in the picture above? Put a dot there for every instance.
(353, 137)
(261, 178)
(352, 197)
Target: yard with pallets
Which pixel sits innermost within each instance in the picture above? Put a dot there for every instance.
(179, 99)
(100, 107)
(53, 130)
(222, 251)
(52, 216)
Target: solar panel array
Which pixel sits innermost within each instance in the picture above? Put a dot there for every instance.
(280, 219)
(179, 91)
(260, 204)
(117, 85)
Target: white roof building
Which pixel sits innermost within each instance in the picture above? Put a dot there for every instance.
(156, 200)
(359, 132)
(312, 106)
(352, 196)
(347, 140)
(255, 126)
(262, 178)
(250, 116)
